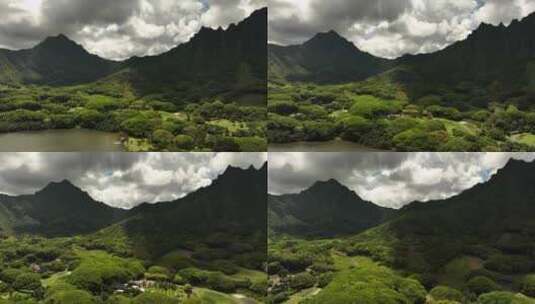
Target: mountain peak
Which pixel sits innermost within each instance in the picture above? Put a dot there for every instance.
(59, 39)
(328, 185)
(328, 38)
(63, 184)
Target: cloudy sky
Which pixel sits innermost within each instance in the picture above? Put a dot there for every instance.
(387, 179)
(120, 179)
(390, 28)
(116, 29)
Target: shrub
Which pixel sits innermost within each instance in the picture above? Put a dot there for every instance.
(282, 107)
(445, 112)
(157, 273)
(184, 142)
(27, 281)
(194, 275)
(251, 144)
(220, 282)
(509, 264)
(90, 118)
(527, 285)
(152, 297)
(413, 290)
(10, 275)
(446, 293)
(163, 139)
(502, 297)
(178, 279)
(324, 279)
(420, 140)
(319, 131)
(355, 128)
(302, 280)
(70, 296)
(138, 126)
(313, 112)
(225, 266)
(480, 285)
(225, 144)
(370, 106)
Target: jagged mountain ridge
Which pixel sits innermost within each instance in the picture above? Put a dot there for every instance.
(490, 54)
(231, 61)
(503, 203)
(62, 209)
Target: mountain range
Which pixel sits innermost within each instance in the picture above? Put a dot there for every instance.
(504, 203)
(490, 54)
(227, 62)
(234, 203)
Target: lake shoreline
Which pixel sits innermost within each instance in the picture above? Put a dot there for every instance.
(61, 140)
(325, 146)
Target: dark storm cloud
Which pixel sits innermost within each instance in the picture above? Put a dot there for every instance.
(116, 29)
(390, 28)
(120, 179)
(388, 179)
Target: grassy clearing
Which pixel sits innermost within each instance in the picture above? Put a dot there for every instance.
(208, 296)
(231, 126)
(524, 138)
(456, 271)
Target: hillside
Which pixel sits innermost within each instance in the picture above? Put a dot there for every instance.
(325, 209)
(231, 208)
(476, 247)
(60, 246)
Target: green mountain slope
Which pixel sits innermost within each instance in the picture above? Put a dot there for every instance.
(325, 209)
(55, 61)
(230, 210)
(326, 58)
(60, 209)
(476, 247)
(228, 62)
(490, 54)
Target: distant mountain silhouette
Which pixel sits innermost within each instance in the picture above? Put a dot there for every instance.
(326, 58)
(54, 61)
(59, 209)
(325, 209)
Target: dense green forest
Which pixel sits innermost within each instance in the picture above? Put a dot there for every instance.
(475, 95)
(476, 247)
(203, 95)
(60, 246)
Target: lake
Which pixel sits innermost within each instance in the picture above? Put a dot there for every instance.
(72, 140)
(327, 146)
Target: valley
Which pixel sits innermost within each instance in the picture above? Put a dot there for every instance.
(204, 95)
(475, 95)
(475, 247)
(61, 246)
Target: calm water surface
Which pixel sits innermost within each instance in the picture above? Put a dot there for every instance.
(327, 146)
(72, 140)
